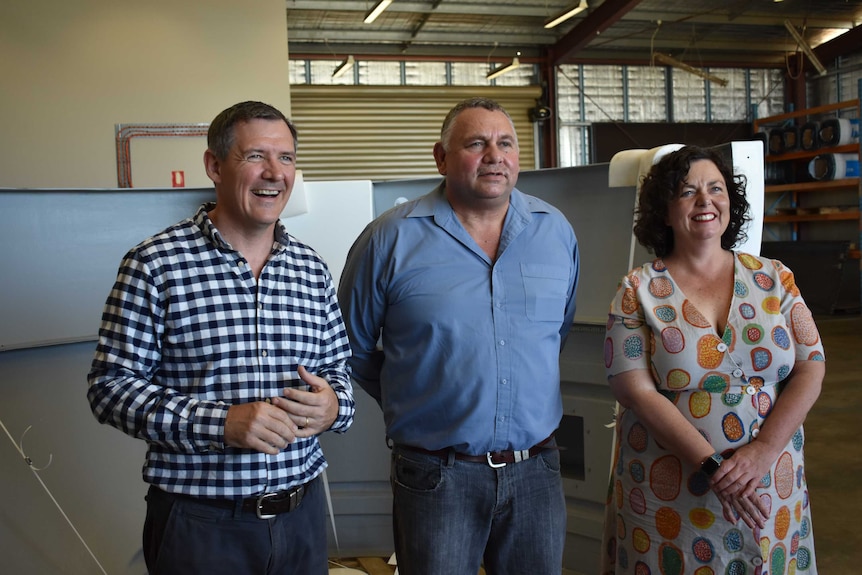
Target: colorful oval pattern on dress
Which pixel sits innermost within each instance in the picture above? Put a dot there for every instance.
(780, 337)
(802, 325)
(701, 517)
(786, 278)
(609, 352)
(763, 281)
(731, 399)
(630, 301)
(637, 501)
(637, 471)
(672, 340)
(761, 358)
(749, 261)
(747, 311)
(638, 437)
(702, 549)
(633, 347)
(670, 560)
(764, 404)
(732, 427)
(661, 287)
(640, 540)
(733, 540)
(777, 559)
(715, 382)
(678, 379)
(699, 403)
(782, 522)
(692, 315)
(752, 333)
(783, 476)
(708, 356)
(665, 313)
(771, 305)
(665, 477)
(667, 522)
(740, 289)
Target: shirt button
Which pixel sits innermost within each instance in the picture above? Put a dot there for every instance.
(757, 560)
(736, 372)
(505, 381)
(240, 263)
(750, 390)
(721, 347)
(263, 353)
(502, 342)
(754, 433)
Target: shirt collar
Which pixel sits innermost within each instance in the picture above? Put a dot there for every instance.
(208, 229)
(435, 204)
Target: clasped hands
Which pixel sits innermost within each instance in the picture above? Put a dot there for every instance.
(270, 426)
(735, 484)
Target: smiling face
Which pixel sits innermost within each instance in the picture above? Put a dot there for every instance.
(700, 209)
(253, 182)
(480, 158)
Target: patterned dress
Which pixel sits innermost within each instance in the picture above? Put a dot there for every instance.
(661, 517)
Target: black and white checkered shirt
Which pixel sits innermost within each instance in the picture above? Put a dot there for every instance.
(187, 331)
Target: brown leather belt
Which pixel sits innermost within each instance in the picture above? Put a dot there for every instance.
(492, 458)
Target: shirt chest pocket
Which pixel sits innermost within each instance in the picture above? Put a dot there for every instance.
(546, 287)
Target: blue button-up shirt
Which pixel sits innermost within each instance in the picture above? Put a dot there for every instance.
(470, 346)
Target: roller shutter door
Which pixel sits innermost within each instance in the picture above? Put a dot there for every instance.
(388, 132)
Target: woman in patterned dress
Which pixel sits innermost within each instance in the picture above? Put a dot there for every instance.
(714, 360)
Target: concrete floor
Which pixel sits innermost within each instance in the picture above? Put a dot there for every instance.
(833, 453)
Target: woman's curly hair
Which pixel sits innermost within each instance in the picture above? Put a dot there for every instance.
(662, 184)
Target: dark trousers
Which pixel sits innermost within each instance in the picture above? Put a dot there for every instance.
(183, 536)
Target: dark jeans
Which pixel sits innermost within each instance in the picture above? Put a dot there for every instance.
(185, 537)
(450, 516)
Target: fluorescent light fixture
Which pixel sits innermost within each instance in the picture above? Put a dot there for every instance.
(670, 61)
(376, 11)
(503, 69)
(342, 69)
(805, 47)
(567, 14)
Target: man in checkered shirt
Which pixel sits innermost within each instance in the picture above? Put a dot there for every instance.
(223, 347)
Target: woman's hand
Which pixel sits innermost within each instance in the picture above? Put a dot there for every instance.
(741, 474)
(753, 510)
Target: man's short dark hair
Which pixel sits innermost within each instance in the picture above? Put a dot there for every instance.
(220, 135)
(476, 102)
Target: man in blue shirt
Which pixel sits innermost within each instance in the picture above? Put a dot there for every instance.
(222, 346)
(457, 305)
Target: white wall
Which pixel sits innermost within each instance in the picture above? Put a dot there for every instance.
(70, 71)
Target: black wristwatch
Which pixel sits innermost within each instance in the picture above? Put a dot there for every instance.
(711, 464)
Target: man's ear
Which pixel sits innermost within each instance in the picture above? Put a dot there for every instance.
(212, 165)
(440, 158)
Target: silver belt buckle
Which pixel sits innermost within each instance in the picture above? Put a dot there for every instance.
(491, 463)
(260, 501)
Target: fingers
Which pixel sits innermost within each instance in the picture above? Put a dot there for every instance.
(750, 508)
(258, 426)
(314, 382)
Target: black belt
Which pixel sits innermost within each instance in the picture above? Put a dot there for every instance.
(265, 506)
(492, 458)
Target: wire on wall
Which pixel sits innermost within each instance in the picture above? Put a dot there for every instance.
(125, 133)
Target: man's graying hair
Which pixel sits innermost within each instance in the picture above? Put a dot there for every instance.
(220, 135)
(477, 102)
